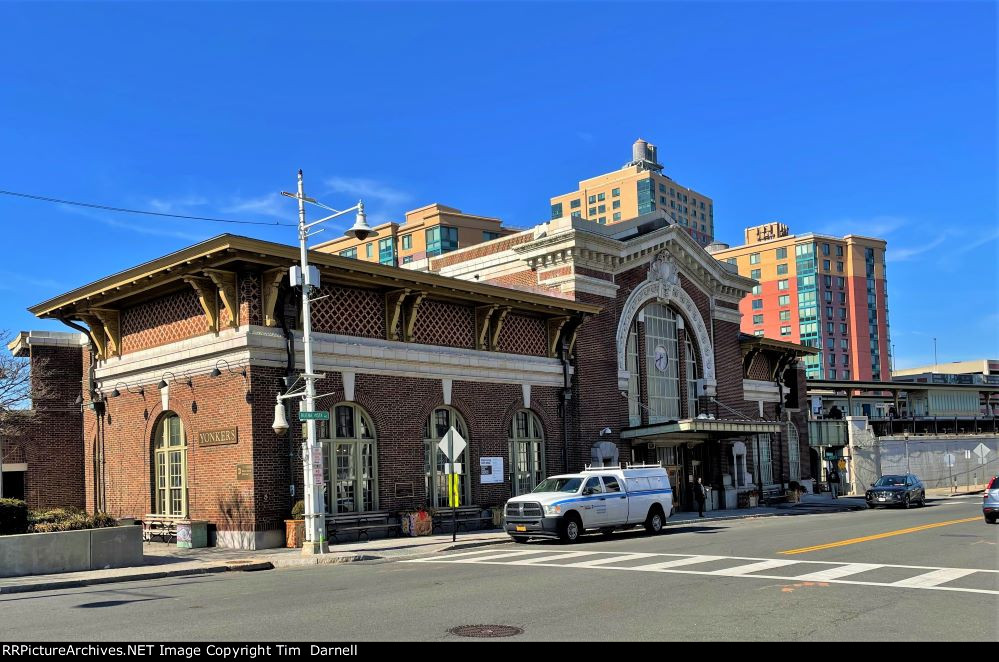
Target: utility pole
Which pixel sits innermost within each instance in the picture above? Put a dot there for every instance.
(312, 459)
(315, 508)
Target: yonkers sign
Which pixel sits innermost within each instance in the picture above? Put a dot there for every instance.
(218, 437)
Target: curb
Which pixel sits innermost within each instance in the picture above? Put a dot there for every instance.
(78, 583)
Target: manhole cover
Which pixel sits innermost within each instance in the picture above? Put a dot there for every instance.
(486, 631)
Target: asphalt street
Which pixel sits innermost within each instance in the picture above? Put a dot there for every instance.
(923, 574)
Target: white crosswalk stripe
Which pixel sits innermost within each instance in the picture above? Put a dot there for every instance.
(551, 558)
(934, 578)
(837, 573)
(608, 561)
(693, 560)
(753, 567)
(741, 567)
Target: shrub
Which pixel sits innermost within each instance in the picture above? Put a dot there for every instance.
(103, 520)
(53, 515)
(298, 510)
(13, 517)
(75, 522)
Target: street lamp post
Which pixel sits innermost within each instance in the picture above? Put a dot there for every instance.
(315, 507)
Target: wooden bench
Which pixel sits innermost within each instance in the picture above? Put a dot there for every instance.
(465, 515)
(773, 495)
(360, 523)
(163, 527)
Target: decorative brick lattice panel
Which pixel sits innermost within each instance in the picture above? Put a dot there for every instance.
(349, 311)
(482, 251)
(523, 335)
(526, 281)
(249, 299)
(439, 323)
(162, 321)
(759, 368)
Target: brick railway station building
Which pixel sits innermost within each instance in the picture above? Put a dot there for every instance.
(532, 345)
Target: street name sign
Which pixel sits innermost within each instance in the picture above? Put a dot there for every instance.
(313, 416)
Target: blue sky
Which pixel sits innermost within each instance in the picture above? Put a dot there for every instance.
(831, 117)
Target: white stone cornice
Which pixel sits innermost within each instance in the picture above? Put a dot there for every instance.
(755, 390)
(262, 346)
(727, 315)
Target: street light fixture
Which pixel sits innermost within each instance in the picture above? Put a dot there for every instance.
(315, 507)
(218, 373)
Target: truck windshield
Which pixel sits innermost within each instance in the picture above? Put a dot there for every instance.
(559, 485)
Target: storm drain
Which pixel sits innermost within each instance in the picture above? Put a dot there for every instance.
(486, 631)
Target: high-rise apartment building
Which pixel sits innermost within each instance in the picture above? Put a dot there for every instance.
(819, 291)
(640, 187)
(427, 232)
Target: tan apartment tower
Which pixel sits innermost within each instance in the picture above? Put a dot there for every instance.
(820, 291)
(427, 232)
(640, 187)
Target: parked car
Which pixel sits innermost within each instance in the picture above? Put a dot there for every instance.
(604, 498)
(990, 502)
(896, 490)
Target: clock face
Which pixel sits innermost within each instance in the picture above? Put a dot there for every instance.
(661, 358)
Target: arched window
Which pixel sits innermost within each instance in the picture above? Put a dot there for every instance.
(634, 390)
(350, 462)
(691, 378)
(793, 452)
(170, 466)
(435, 462)
(661, 363)
(527, 452)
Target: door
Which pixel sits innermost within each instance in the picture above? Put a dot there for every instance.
(593, 507)
(617, 502)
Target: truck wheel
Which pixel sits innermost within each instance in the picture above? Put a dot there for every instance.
(654, 522)
(570, 528)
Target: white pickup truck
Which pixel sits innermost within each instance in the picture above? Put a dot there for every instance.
(605, 498)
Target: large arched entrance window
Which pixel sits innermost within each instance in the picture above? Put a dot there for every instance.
(527, 452)
(662, 353)
(692, 376)
(170, 466)
(437, 425)
(793, 452)
(350, 462)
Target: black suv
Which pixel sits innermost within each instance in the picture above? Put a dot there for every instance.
(896, 490)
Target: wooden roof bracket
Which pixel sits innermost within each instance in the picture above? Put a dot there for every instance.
(270, 286)
(393, 312)
(498, 320)
(111, 321)
(555, 325)
(225, 281)
(208, 298)
(97, 335)
(411, 309)
(482, 317)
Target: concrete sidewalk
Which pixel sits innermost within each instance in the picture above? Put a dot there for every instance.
(167, 560)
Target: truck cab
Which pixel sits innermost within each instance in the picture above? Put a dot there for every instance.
(598, 498)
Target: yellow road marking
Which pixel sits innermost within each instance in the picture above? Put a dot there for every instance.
(853, 541)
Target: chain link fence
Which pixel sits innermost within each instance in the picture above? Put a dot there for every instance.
(939, 463)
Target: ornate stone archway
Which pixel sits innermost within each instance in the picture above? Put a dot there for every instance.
(663, 286)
